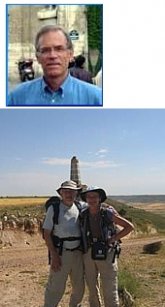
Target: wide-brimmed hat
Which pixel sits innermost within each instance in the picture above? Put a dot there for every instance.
(100, 191)
(69, 184)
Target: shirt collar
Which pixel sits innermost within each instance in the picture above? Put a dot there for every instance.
(61, 89)
(65, 207)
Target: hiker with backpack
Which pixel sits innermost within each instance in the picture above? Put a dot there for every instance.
(101, 246)
(62, 235)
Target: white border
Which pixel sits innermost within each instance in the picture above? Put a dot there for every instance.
(133, 52)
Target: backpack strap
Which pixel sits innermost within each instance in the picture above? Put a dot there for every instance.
(107, 219)
(55, 202)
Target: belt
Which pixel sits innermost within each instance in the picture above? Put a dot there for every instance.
(71, 249)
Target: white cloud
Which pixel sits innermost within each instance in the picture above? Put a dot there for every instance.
(99, 164)
(102, 152)
(83, 164)
(18, 159)
(56, 161)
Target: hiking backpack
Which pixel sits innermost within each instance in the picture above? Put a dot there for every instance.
(58, 242)
(55, 202)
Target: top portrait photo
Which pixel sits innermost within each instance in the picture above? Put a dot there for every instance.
(54, 55)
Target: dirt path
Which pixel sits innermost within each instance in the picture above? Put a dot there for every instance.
(24, 270)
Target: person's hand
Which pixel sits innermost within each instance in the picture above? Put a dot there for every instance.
(55, 262)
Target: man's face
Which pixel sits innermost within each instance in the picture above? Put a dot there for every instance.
(53, 54)
(68, 196)
(93, 199)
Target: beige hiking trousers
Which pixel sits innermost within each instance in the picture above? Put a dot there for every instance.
(72, 265)
(108, 282)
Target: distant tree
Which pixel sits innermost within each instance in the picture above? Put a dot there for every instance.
(94, 26)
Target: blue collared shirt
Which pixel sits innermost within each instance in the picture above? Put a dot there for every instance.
(73, 92)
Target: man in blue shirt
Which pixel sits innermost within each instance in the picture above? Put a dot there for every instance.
(54, 51)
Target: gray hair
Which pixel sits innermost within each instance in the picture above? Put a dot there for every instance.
(52, 28)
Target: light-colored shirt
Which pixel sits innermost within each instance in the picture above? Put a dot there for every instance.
(73, 92)
(68, 224)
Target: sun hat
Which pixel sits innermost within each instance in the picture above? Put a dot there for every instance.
(69, 184)
(100, 191)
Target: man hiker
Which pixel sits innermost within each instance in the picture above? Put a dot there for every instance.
(63, 241)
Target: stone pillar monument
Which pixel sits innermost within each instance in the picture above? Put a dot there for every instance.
(75, 171)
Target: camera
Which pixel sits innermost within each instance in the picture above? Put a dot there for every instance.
(99, 250)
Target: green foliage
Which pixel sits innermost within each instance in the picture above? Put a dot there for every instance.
(94, 25)
(123, 212)
(139, 217)
(128, 281)
(94, 21)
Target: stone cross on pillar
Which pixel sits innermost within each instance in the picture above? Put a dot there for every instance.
(75, 171)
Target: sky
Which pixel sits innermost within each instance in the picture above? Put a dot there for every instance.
(120, 150)
(121, 147)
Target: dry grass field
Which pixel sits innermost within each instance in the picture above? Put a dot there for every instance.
(21, 201)
(24, 268)
(152, 207)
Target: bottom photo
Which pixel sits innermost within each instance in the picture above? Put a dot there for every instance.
(82, 207)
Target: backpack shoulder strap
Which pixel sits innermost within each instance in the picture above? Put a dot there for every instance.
(107, 218)
(55, 202)
(83, 215)
(78, 205)
(81, 206)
